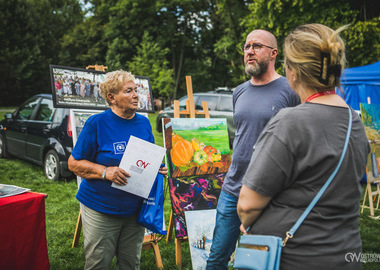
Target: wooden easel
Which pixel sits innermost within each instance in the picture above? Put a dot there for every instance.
(97, 67)
(150, 241)
(372, 194)
(190, 112)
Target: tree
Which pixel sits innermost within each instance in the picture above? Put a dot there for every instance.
(30, 42)
(128, 20)
(227, 48)
(150, 60)
(362, 41)
(281, 16)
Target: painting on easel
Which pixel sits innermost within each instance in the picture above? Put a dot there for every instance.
(193, 193)
(371, 120)
(196, 146)
(200, 228)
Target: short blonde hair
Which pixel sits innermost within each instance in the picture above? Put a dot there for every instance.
(114, 82)
(316, 53)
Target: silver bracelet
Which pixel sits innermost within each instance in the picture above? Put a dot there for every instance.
(104, 173)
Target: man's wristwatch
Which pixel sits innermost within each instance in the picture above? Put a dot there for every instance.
(104, 173)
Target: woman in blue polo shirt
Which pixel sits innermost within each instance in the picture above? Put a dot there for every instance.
(109, 214)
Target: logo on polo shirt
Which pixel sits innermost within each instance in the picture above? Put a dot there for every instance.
(119, 147)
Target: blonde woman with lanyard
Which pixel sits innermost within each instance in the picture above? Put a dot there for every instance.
(298, 151)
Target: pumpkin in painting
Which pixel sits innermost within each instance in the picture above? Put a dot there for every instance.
(182, 153)
(175, 138)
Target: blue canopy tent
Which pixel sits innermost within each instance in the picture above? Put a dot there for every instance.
(361, 83)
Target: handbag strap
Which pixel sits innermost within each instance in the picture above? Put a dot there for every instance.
(295, 227)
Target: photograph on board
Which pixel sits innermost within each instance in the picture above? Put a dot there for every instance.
(78, 88)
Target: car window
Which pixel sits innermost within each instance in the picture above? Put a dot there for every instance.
(225, 104)
(45, 111)
(59, 115)
(26, 110)
(212, 101)
(182, 104)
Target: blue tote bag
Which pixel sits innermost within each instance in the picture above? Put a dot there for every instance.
(151, 215)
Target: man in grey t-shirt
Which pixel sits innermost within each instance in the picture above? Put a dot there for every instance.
(254, 103)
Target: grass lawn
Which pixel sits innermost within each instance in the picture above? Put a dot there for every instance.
(62, 212)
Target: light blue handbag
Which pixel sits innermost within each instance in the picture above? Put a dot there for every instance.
(263, 252)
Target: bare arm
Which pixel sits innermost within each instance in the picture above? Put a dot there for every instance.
(250, 206)
(90, 170)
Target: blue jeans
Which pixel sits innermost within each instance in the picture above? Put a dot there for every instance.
(226, 232)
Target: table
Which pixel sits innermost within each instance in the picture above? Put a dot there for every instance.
(23, 232)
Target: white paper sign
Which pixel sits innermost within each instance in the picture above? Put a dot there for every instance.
(142, 160)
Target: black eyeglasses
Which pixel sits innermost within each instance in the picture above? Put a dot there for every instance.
(256, 47)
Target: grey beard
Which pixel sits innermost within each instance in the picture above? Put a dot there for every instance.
(256, 70)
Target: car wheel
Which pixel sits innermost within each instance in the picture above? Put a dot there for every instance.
(51, 165)
(3, 148)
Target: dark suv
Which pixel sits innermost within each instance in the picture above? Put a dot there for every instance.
(38, 132)
(219, 104)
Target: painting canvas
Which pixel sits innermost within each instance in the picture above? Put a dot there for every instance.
(370, 114)
(78, 118)
(200, 227)
(193, 193)
(196, 146)
(371, 119)
(79, 88)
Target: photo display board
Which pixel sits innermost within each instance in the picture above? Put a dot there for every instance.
(79, 89)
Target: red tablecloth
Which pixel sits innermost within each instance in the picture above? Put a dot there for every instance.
(23, 232)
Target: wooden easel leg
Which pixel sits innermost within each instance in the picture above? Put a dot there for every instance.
(170, 228)
(378, 195)
(370, 199)
(77, 231)
(150, 242)
(178, 253)
(365, 197)
(157, 255)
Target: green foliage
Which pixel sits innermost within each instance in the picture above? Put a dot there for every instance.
(200, 38)
(127, 21)
(30, 32)
(276, 17)
(84, 45)
(227, 48)
(150, 60)
(280, 17)
(362, 41)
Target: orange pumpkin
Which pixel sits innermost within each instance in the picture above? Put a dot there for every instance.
(182, 153)
(175, 138)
